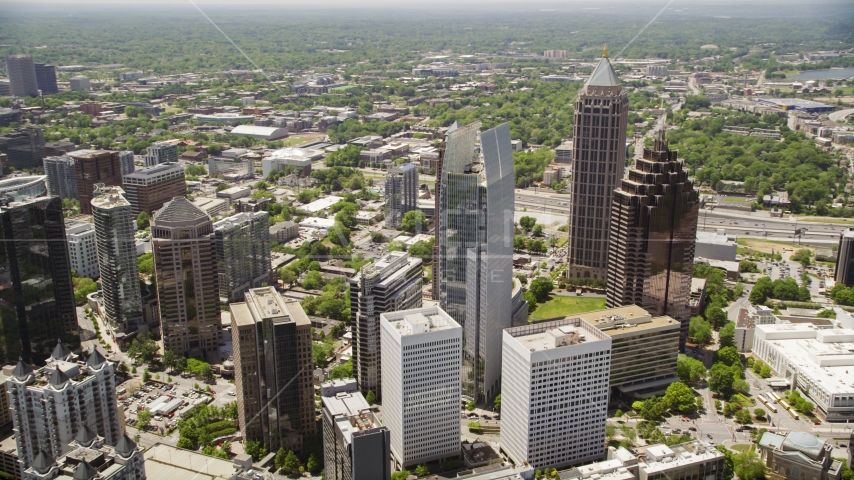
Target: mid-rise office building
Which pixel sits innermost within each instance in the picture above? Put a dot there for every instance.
(161, 152)
(240, 167)
(653, 230)
(185, 268)
(401, 192)
(242, 254)
(554, 403)
(50, 405)
(114, 232)
(284, 231)
(599, 157)
(33, 251)
(82, 248)
(475, 225)
(126, 159)
(89, 458)
(79, 83)
(147, 189)
(61, 180)
(24, 148)
(355, 443)
(46, 78)
(845, 258)
(273, 369)
(392, 283)
(92, 167)
(22, 75)
(421, 372)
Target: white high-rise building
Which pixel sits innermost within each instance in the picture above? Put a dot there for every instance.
(555, 393)
(421, 378)
(50, 405)
(81, 248)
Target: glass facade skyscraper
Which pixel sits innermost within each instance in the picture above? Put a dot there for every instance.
(475, 225)
(653, 232)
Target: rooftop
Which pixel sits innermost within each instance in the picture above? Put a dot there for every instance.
(179, 209)
(661, 458)
(565, 332)
(604, 74)
(419, 321)
(109, 197)
(320, 204)
(719, 238)
(165, 167)
(164, 462)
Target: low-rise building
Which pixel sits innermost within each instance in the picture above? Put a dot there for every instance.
(212, 206)
(715, 246)
(233, 193)
(239, 167)
(798, 455)
(695, 459)
(284, 231)
(747, 320)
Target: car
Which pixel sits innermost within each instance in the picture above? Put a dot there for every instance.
(232, 393)
(693, 429)
(487, 417)
(498, 417)
(843, 445)
(677, 430)
(710, 436)
(817, 423)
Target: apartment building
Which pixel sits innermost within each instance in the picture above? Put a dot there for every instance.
(161, 152)
(90, 459)
(147, 189)
(401, 192)
(61, 181)
(82, 248)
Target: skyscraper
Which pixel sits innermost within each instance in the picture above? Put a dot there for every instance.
(24, 147)
(476, 248)
(555, 398)
(61, 180)
(391, 283)
(401, 191)
(599, 158)
(147, 189)
(421, 382)
(46, 78)
(91, 167)
(126, 160)
(653, 230)
(36, 293)
(273, 369)
(845, 258)
(22, 75)
(187, 279)
(242, 254)
(114, 233)
(161, 152)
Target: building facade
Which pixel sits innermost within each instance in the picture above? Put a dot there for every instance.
(114, 232)
(845, 258)
(24, 147)
(355, 443)
(51, 404)
(599, 157)
(554, 403)
(33, 251)
(242, 254)
(273, 369)
(401, 192)
(90, 459)
(653, 230)
(22, 75)
(798, 456)
(91, 167)
(147, 189)
(126, 158)
(239, 167)
(185, 268)
(82, 248)
(161, 152)
(421, 372)
(46, 78)
(475, 237)
(61, 180)
(284, 231)
(390, 284)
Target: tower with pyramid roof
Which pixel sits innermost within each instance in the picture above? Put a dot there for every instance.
(598, 162)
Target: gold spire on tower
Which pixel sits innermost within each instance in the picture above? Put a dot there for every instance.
(605, 51)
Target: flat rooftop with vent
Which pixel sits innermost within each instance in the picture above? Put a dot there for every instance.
(420, 320)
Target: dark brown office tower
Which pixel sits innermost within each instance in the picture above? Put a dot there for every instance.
(599, 158)
(149, 188)
(95, 166)
(653, 231)
(435, 264)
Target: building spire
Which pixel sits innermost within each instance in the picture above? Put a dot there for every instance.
(605, 51)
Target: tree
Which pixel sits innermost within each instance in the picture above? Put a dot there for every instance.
(727, 335)
(401, 475)
(765, 372)
(146, 376)
(747, 465)
(414, 221)
(536, 246)
(291, 463)
(761, 290)
(470, 406)
(377, 237)
(760, 413)
(143, 419)
(541, 287)
(716, 316)
(421, 471)
(287, 276)
(144, 349)
(527, 223)
(699, 330)
(537, 230)
(143, 220)
(680, 398)
(720, 378)
(371, 397)
(312, 464)
(279, 461)
(255, 449)
(169, 359)
(740, 386)
(496, 403)
(690, 370)
(746, 266)
(339, 234)
(728, 355)
(312, 281)
(699, 403)
(637, 405)
(520, 242)
(728, 461)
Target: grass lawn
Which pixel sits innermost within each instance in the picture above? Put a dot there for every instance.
(734, 200)
(298, 139)
(740, 447)
(559, 306)
(825, 220)
(767, 245)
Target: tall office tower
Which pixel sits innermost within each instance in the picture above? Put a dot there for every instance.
(242, 254)
(273, 369)
(476, 249)
(126, 160)
(61, 180)
(91, 167)
(401, 191)
(22, 75)
(355, 443)
(653, 230)
(114, 231)
(147, 189)
(37, 296)
(392, 283)
(599, 158)
(24, 147)
(555, 398)
(845, 258)
(82, 248)
(434, 267)
(52, 404)
(421, 371)
(182, 241)
(46, 78)
(161, 152)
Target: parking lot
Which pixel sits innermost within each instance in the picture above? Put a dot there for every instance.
(161, 397)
